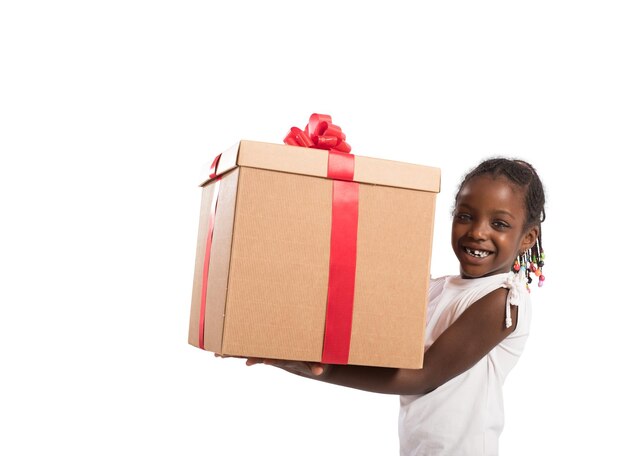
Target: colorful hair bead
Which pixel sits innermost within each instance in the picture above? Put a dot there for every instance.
(531, 263)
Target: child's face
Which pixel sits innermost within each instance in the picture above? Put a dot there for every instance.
(488, 227)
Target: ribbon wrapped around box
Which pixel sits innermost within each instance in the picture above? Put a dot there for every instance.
(308, 252)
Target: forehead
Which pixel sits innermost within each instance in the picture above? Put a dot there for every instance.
(494, 194)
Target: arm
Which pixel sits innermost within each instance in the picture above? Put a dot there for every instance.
(479, 329)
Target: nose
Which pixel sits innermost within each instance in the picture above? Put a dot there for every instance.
(477, 230)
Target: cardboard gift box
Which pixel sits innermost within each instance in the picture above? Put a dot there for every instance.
(264, 263)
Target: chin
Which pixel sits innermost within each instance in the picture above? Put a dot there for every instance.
(472, 271)
(476, 274)
(471, 275)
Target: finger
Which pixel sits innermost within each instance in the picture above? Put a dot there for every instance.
(253, 361)
(316, 369)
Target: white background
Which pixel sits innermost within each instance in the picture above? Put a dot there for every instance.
(108, 109)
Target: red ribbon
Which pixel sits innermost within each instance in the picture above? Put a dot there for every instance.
(207, 252)
(321, 133)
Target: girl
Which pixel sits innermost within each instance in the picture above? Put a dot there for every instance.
(477, 321)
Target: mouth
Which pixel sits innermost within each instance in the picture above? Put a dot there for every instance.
(476, 253)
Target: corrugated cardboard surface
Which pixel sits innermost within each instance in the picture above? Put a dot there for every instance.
(279, 266)
(219, 262)
(205, 208)
(392, 274)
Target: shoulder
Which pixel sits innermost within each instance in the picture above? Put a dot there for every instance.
(437, 284)
(495, 299)
(492, 313)
(508, 300)
(519, 294)
(435, 280)
(509, 284)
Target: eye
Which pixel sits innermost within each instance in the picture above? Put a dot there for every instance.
(500, 225)
(462, 217)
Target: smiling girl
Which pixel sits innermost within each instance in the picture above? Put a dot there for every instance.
(477, 321)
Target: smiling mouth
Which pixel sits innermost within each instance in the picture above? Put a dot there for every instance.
(477, 253)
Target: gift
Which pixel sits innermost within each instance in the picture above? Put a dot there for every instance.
(308, 252)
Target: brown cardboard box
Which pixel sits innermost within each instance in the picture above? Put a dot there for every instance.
(269, 263)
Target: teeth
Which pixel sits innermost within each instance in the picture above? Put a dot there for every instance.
(477, 253)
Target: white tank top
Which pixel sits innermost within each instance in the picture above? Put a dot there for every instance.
(465, 415)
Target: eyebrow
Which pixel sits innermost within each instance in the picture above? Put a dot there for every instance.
(503, 212)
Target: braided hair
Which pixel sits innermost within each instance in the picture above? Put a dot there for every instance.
(524, 176)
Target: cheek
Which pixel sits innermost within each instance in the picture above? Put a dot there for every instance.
(456, 228)
(509, 245)
(455, 234)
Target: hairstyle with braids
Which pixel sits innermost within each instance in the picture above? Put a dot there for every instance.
(523, 175)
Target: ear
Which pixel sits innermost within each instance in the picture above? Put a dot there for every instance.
(529, 239)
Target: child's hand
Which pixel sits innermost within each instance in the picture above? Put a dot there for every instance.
(304, 368)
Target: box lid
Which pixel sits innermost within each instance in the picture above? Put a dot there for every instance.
(314, 162)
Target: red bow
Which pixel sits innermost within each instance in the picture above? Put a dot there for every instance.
(320, 133)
